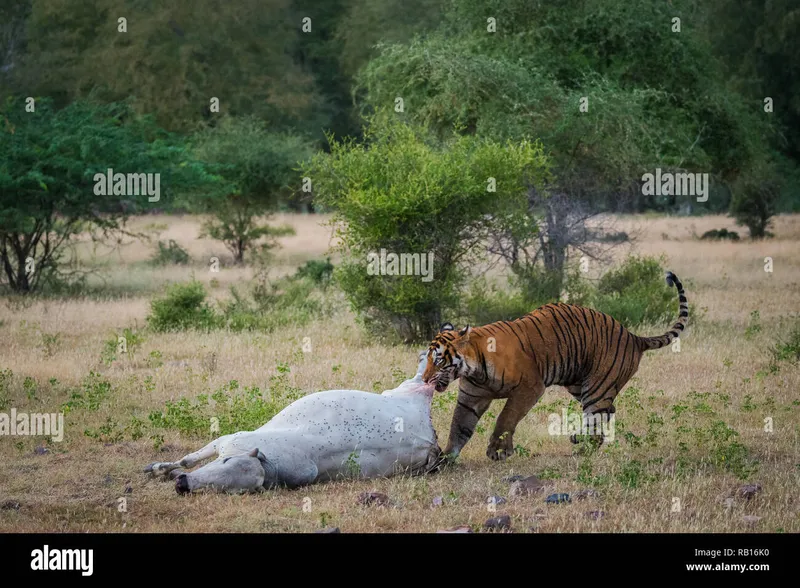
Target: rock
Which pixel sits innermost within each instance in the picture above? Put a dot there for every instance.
(596, 515)
(437, 501)
(502, 523)
(495, 500)
(10, 505)
(373, 499)
(108, 479)
(526, 486)
(584, 494)
(750, 520)
(748, 491)
(510, 479)
(328, 530)
(557, 498)
(41, 450)
(459, 529)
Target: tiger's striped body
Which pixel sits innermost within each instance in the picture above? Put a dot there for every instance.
(588, 352)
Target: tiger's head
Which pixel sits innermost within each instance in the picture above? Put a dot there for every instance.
(446, 359)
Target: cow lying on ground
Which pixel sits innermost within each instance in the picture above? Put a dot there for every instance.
(323, 436)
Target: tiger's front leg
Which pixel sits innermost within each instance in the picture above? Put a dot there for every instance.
(472, 403)
(501, 444)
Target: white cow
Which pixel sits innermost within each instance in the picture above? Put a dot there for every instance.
(322, 436)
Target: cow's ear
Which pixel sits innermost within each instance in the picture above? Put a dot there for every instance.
(253, 452)
(446, 327)
(465, 331)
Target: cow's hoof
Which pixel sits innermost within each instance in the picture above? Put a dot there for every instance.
(175, 474)
(182, 484)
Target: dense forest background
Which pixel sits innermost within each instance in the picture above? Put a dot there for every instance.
(425, 125)
(692, 99)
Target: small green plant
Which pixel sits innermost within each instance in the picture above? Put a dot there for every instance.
(755, 324)
(6, 376)
(521, 451)
(93, 392)
(158, 441)
(352, 466)
(106, 433)
(788, 349)
(632, 474)
(171, 253)
(550, 473)
(154, 360)
(135, 428)
(127, 343)
(30, 386)
(50, 342)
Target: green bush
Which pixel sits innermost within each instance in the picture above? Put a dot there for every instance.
(183, 307)
(317, 270)
(271, 305)
(234, 409)
(171, 253)
(486, 303)
(636, 293)
(406, 194)
(789, 348)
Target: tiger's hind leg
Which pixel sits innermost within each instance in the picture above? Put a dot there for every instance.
(596, 419)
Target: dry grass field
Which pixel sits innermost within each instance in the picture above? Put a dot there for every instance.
(692, 427)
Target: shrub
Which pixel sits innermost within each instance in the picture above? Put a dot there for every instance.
(487, 303)
(720, 234)
(270, 305)
(317, 270)
(788, 349)
(636, 293)
(183, 307)
(172, 253)
(754, 199)
(405, 193)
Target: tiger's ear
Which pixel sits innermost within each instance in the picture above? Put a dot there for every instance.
(465, 331)
(446, 327)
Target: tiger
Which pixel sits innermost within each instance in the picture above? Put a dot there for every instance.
(588, 352)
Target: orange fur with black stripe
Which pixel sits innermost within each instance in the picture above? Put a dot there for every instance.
(588, 352)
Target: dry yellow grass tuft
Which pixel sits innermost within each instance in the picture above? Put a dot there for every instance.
(672, 464)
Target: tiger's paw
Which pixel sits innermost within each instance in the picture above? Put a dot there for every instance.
(500, 449)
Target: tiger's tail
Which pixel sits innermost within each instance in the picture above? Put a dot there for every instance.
(649, 343)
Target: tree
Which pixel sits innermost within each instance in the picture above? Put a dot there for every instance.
(404, 198)
(53, 166)
(258, 168)
(754, 198)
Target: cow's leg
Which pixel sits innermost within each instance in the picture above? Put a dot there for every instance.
(189, 461)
